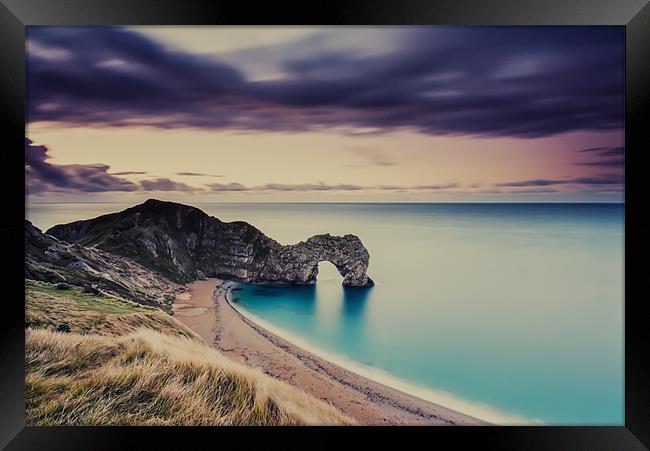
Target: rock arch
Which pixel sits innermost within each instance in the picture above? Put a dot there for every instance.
(347, 253)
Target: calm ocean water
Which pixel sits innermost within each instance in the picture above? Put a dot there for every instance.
(511, 312)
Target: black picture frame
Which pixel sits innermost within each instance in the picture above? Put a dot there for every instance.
(634, 15)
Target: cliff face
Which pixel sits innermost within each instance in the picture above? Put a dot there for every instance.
(183, 244)
(48, 259)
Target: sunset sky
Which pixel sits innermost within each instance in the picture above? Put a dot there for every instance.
(267, 114)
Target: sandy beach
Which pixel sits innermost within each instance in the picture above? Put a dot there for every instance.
(206, 310)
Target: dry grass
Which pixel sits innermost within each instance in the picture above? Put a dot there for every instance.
(47, 307)
(149, 378)
(124, 364)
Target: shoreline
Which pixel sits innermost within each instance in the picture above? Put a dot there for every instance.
(208, 311)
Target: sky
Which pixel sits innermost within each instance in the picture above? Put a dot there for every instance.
(325, 114)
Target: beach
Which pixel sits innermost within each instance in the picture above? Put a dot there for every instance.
(206, 310)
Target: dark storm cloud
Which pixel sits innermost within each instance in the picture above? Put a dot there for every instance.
(525, 82)
(43, 176)
(36, 160)
(603, 179)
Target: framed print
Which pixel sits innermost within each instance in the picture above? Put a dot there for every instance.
(370, 216)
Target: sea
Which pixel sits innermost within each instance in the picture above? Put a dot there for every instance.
(512, 313)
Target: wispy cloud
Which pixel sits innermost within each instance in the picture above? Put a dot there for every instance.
(535, 191)
(606, 151)
(372, 156)
(603, 179)
(228, 187)
(609, 163)
(324, 187)
(197, 174)
(165, 184)
(129, 173)
(605, 157)
(434, 187)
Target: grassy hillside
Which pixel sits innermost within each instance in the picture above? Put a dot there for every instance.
(87, 313)
(50, 260)
(125, 364)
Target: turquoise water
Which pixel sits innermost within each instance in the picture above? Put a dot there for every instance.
(512, 311)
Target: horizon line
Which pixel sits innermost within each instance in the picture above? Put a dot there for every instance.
(339, 203)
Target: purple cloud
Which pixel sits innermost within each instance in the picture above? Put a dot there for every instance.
(129, 173)
(608, 163)
(603, 179)
(165, 184)
(495, 81)
(41, 175)
(535, 191)
(197, 174)
(228, 187)
(606, 151)
(606, 157)
(323, 187)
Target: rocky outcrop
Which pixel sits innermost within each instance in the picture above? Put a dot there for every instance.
(48, 259)
(183, 243)
(298, 263)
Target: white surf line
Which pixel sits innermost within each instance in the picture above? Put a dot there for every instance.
(442, 398)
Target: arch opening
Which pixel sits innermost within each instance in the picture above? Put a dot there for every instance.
(325, 270)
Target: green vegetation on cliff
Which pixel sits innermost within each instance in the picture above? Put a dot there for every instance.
(181, 242)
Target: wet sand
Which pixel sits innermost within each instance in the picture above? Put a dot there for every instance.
(207, 311)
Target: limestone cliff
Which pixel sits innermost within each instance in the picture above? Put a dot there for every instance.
(183, 243)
